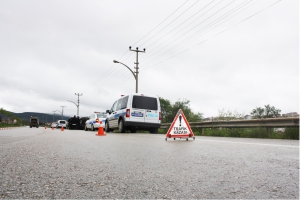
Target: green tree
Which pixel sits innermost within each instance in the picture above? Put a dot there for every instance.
(5, 112)
(275, 112)
(169, 110)
(267, 112)
(258, 112)
(9, 114)
(166, 107)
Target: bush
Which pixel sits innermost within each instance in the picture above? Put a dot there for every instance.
(3, 125)
(291, 133)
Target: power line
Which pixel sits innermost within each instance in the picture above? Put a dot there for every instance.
(195, 34)
(172, 21)
(214, 23)
(108, 72)
(181, 23)
(185, 27)
(160, 23)
(217, 34)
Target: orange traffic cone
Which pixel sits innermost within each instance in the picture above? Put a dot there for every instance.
(52, 128)
(100, 130)
(62, 128)
(45, 127)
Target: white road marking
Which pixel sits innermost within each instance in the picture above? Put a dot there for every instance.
(274, 145)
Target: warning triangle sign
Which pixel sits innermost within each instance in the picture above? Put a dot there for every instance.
(180, 127)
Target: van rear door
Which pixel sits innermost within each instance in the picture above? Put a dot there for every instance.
(138, 112)
(152, 111)
(145, 109)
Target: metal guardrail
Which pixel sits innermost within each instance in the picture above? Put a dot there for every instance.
(269, 123)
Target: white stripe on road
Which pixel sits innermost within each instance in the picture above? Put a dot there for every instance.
(274, 145)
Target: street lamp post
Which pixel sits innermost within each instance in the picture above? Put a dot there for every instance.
(58, 111)
(62, 112)
(53, 115)
(136, 73)
(77, 105)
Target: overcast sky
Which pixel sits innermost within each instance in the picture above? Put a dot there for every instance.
(218, 54)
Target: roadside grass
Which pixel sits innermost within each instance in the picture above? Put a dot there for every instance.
(2, 125)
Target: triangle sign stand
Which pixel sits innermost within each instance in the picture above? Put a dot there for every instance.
(180, 128)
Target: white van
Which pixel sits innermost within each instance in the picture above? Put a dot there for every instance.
(134, 112)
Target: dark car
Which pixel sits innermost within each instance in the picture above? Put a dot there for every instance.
(82, 122)
(34, 122)
(73, 123)
(77, 123)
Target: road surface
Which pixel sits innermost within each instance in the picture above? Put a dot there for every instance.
(39, 163)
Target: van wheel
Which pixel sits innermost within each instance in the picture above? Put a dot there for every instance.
(107, 129)
(121, 126)
(92, 128)
(153, 130)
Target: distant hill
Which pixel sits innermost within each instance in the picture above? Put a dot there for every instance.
(43, 117)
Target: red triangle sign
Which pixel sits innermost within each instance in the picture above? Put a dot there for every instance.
(180, 127)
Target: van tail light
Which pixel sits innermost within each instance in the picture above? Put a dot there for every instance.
(127, 112)
(159, 116)
(97, 120)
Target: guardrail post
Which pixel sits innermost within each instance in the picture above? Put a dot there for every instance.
(269, 130)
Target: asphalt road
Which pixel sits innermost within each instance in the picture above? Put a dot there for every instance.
(39, 163)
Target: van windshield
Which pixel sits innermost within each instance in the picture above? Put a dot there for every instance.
(141, 102)
(101, 115)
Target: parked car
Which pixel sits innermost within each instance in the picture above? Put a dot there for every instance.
(82, 122)
(73, 123)
(61, 123)
(94, 121)
(134, 112)
(53, 125)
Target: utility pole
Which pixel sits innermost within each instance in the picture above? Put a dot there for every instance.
(78, 102)
(53, 115)
(62, 112)
(137, 67)
(136, 73)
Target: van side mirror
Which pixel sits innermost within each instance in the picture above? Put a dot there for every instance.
(108, 111)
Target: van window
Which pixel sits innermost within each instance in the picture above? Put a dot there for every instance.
(124, 102)
(119, 104)
(113, 108)
(148, 103)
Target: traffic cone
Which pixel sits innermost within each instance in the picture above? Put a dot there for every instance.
(62, 128)
(45, 127)
(100, 130)
(52, 128)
